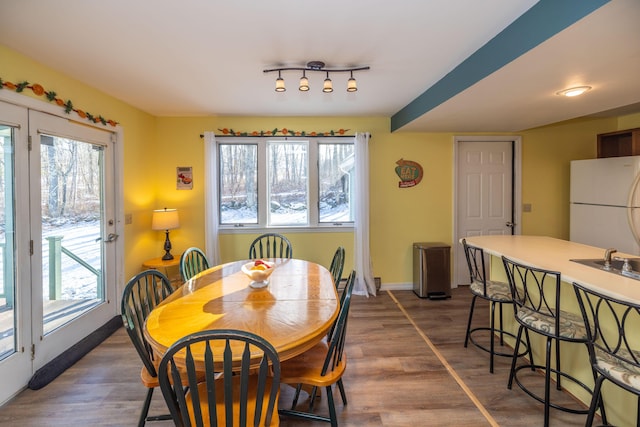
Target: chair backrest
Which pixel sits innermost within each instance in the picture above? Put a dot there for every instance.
(337, 265)
(337, 334)
(476, 263)
(230, 386)
(271, 245)
(536, 290)
(192, 262)
(612, 330)
(141, 295)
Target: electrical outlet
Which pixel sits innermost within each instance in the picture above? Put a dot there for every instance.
(128, 218)
(526, 207)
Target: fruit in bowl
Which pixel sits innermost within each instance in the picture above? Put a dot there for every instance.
(258, 271)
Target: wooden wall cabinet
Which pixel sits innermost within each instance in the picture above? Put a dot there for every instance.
(620, 143)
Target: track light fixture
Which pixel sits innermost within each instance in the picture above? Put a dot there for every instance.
(327, 86)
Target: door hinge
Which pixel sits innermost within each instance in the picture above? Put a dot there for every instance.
(30, 247)
(29, 143)
(33, 351)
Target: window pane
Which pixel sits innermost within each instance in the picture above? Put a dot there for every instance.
(288, 193)
(8, 340)
(238, 183)
(336, 174)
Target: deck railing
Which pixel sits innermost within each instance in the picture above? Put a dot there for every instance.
(55, 267)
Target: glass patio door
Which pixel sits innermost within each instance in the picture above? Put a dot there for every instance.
(73, 231)
(15, 300)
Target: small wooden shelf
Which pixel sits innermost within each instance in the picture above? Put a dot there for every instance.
(620, 143)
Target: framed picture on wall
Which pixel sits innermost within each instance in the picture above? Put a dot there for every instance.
(184, 175)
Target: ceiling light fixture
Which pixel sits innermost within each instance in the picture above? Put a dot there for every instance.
(304, 82)
(351, 84)
(320, 67)
(280, 83)
(327, 85)
(574, 91)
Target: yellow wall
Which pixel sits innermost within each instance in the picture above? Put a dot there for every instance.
(139, 136)
(155, 146)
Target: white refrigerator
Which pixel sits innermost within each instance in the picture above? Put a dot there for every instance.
(605, 203)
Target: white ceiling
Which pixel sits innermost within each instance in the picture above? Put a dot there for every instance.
(206, 57)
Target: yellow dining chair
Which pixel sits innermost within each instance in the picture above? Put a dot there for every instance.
(232, 390)
(321, 366)
(141, 295)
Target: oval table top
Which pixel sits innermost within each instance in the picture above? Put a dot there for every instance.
(294, 312)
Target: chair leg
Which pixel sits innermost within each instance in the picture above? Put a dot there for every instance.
(342, 393)
(596, 400)
(526, 333)
(547, 383)
(296, 396)
(145, 408)
(491, 334)
(332, 407)
(558, 376)
(515, 357)
(501, 326)
(473, 303)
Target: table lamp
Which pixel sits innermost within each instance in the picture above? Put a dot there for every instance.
(165, 219)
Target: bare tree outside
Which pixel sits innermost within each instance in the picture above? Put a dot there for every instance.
(287, 188)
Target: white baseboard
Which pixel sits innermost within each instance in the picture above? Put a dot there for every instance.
(396, 287)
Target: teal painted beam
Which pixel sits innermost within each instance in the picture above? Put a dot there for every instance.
(545, 19)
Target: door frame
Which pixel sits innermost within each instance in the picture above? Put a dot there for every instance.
(516, 185)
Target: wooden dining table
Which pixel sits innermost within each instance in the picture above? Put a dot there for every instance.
(293, 312)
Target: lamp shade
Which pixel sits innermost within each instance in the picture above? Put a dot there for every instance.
(165, 219)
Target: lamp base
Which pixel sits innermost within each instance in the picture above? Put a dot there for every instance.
(167, 247)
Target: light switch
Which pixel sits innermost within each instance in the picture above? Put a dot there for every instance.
(128, 218)
(526, 207)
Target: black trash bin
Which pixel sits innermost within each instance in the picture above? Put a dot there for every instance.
(431, 270)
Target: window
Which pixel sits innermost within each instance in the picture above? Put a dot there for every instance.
(292, 182)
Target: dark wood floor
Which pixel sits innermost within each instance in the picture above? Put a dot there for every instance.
(406, 367)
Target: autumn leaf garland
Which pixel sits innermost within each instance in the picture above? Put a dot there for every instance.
(51, 96)
(283, 131)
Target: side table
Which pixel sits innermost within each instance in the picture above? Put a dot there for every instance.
(170, 268)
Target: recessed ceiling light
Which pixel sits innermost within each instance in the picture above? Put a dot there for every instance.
(574, 91)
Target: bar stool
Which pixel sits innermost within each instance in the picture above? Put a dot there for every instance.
(536, 294)
(497, 293)
(614, 344)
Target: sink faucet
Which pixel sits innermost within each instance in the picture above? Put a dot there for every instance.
(607, 257)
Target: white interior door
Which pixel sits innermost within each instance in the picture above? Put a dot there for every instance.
(484, 202)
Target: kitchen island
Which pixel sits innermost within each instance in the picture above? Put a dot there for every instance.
(556, 255)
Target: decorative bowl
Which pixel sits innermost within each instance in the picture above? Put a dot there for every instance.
(259, 278)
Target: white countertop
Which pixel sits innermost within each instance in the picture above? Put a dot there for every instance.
(555, 254)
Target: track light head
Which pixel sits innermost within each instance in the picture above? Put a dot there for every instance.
(304, 83)
(351, 84)
(327, 86)
(280, 83)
